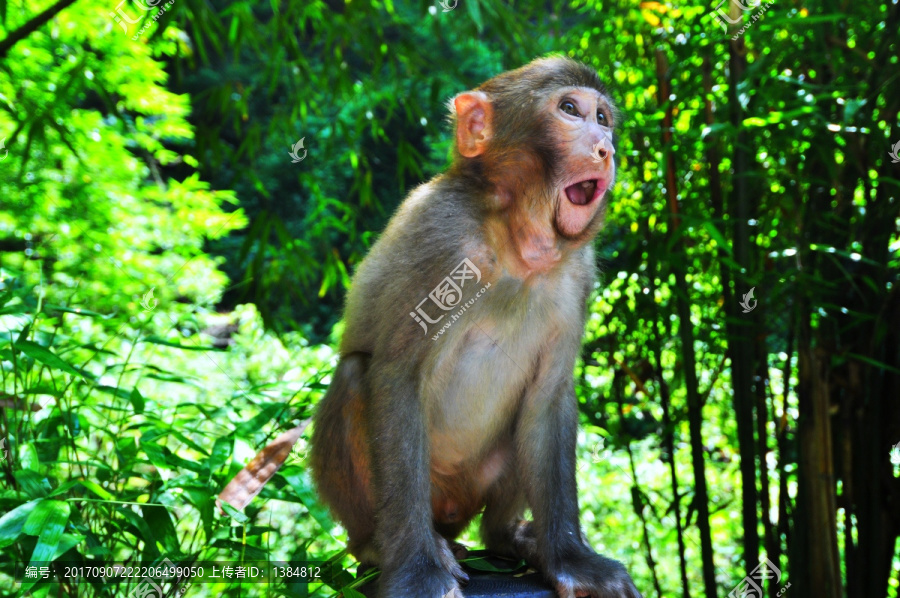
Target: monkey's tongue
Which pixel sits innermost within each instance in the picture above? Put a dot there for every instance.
(581, 193)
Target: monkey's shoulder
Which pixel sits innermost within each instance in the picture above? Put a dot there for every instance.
(432, 249)
(434, 228)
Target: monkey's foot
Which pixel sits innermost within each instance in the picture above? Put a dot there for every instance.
(420, 577)
(518, 541)
(419, 581)
(459, 551)
(589, 575)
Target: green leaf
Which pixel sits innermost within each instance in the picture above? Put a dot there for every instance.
(300, 482)
(47, 521)
(23, 334)
(874, 362)
(475, 12)
(241, 551)
(32, 483)
(77, 310)
(11, 523)
(116, 392)
(480, 564)
(68, 542)
(160, 521)
(29, 457)
(717, 236)
(220, 453)
(163, 458)
(161, 341)
(755, 121)
(233, 30)
(137, 401)
(14, 308)
(254, 424)
(63, 489)
(143, 530)
(46, 356)
(234, 513)
(97, 489)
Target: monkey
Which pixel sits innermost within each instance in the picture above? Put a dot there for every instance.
(454, 390)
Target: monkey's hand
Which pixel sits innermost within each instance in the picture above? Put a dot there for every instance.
(419, 576)
(587, 574)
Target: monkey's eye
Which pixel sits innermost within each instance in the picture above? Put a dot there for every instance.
(601, 118)
(568, 106)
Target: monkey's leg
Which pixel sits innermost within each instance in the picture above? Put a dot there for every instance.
(503, 530)
(546, 443)
(416, 561)
(339, 456)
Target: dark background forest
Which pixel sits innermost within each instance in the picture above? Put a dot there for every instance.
(172, 279)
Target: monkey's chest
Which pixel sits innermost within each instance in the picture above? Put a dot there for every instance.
(473, 390)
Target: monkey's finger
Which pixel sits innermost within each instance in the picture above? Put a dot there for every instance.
(250, 480)
(459, 551)
(457, 571)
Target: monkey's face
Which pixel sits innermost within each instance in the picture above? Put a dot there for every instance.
(581, 120)
(539, 142)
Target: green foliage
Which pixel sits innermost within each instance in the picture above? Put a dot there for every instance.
(155, 237)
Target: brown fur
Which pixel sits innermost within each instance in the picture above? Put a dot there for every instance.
(421, 430)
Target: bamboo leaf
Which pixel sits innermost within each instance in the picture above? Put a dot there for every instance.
(47, 357)
(47, 521)
(161, 341)
(11, 523)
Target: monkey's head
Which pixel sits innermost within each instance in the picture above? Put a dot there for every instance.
(539, 141)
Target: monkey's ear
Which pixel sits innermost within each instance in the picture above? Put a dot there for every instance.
(474, 114)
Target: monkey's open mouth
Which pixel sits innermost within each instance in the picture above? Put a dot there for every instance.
(585, 192)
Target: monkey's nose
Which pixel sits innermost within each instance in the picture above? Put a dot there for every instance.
(603, 149)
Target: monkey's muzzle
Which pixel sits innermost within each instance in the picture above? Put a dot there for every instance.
(584, 192)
